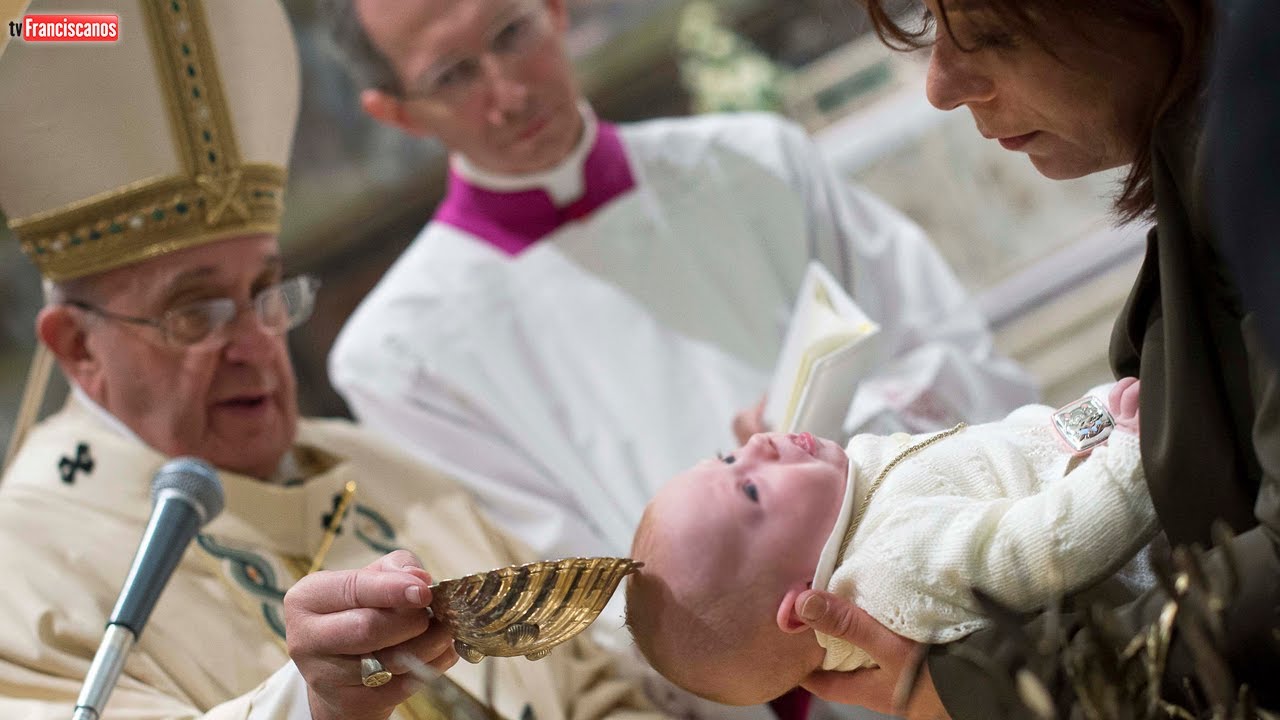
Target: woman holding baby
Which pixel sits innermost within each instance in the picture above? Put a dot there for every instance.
(1081, 87)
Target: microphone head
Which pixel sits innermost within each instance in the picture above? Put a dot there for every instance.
(195, 480)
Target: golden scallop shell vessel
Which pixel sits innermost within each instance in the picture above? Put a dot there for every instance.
(526, 609)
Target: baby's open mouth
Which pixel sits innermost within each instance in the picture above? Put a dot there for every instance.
(805, 442)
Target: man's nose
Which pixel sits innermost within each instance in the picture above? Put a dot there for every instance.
(248, 339)
(954, 78)
(508, 95)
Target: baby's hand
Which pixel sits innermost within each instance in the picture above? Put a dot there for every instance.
(750, 422)
(1123, 404)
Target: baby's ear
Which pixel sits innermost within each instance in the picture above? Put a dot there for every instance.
(788, 621)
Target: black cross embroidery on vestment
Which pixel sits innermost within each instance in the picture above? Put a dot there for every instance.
(70, 467)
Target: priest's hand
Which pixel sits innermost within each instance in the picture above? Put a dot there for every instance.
(749, 422)
(333, 619)
(900, 686)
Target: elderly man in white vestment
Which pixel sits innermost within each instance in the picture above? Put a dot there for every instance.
(593, 304)
(144, 179)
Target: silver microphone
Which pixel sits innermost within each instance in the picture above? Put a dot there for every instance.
(185, 495)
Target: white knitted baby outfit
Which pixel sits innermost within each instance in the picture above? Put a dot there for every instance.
(991, 507)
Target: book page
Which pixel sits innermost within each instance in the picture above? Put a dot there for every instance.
(818, 368)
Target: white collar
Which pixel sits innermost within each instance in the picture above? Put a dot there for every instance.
(565, 183)
(103, 415)
(287, 470)
(831, 549)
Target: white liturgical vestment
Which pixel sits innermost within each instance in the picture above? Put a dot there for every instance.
(73, 506)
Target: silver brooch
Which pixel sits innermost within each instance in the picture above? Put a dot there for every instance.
(1084, 424)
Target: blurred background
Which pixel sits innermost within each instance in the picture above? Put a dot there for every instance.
(1042, 258)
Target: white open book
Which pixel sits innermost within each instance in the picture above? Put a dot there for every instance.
(829, 347)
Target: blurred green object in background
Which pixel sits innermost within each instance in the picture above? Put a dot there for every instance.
(721, 70)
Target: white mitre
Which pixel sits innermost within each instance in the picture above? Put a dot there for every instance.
(176, 134)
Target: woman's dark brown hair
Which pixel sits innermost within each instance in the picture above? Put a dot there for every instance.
(1185, 25)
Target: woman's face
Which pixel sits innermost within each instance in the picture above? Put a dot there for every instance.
(1073, 113)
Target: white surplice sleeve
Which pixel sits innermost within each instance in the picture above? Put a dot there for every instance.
(396, 394)
(939, 364)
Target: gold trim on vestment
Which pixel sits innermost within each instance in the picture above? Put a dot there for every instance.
(866, 499)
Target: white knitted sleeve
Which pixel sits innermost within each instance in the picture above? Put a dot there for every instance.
(993, 507)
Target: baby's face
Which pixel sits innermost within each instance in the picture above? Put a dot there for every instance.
(771, 504)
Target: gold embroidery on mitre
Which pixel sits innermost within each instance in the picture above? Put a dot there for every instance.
(223, 194)
(216, 197)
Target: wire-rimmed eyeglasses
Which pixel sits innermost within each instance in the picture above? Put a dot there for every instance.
(279, 309)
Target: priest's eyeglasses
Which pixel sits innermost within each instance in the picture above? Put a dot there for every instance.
(279, 309)
(512, 38)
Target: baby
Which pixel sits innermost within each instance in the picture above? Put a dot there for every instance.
(903, 526)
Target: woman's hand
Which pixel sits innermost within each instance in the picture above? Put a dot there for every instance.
(335, 618)
(900, 686)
